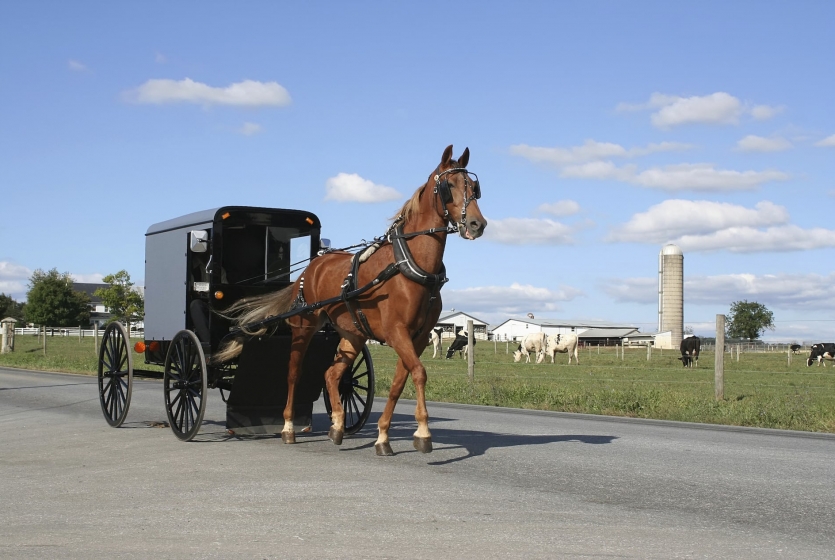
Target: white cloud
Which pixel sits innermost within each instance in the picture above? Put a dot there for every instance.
(828, 142)
(591, 150)
(350, 187)
(752, 143)
(682, 176)
(559, 208)
(765, 112)
(248, 129)
(509, 300)
(711, 226)
(14, 279)
(76, 66)
(248, 93)
(781, 291)
(529, 231)
(675, 218)
(715, 108)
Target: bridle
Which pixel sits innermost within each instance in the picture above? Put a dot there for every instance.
(444, 194)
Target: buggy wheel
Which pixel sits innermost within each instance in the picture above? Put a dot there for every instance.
(356, 391)
(115, 374)
(184, 385)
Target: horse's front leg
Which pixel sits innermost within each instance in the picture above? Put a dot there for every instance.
(345, 356)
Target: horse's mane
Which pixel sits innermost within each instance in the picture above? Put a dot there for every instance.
(410, 208)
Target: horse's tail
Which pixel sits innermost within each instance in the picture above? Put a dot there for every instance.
(252, 310)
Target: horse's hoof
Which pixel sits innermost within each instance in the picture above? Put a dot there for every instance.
(423, 444)
(335, 435)
(383, 449)
(288, 437)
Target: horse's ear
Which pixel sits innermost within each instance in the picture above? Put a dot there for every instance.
(447, 155)
(465, 157)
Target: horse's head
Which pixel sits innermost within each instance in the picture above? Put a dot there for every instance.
(458, 192)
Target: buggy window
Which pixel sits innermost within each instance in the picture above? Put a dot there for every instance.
(257, 254)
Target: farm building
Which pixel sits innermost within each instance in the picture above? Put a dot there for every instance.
(453, 321)
(517, 328)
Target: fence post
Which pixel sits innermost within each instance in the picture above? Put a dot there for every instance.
(79, 333)
(622, 352)
(470, 348)
(789, 354)
(4, 345)
(96, 338)
(649, 351)
(44, 340)
(719, 376)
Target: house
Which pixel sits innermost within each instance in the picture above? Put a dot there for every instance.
(98, 312)
(453, 321)
(516, 328)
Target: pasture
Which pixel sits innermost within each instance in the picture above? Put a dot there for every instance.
(760, 390)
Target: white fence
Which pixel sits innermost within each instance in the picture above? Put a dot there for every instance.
(70, 331)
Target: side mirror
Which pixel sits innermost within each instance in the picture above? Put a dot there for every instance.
(198, 241)
(324, 243)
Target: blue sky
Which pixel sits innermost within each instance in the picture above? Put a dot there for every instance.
(599, 130)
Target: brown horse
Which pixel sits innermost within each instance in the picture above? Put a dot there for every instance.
(400, 310)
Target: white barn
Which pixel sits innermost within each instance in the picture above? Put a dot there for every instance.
(453, 321)
(516, 328)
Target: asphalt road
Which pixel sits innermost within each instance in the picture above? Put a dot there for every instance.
(500, 484)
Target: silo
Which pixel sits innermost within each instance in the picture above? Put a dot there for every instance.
(671, 292)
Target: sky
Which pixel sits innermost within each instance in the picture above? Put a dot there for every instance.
(600, 131)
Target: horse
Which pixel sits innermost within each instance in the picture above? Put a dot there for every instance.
(564, 344)
(534, 342)
(399, 310)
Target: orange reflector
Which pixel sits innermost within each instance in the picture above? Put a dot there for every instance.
(139, 347)
(154, 346)
(309, 220)
(218, 295)
(225, 215)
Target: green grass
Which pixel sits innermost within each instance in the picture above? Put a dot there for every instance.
(760, 390)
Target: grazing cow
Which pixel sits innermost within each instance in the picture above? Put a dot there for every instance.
(564, 344)
(795, 348)
(820, 352)
(435, 339)
(459, 345)
(690, 348)
(534, 342)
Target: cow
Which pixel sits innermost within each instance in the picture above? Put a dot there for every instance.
(435, 339)
(795, 348)
(564, 344)
(820, 352)
(690, 348)
(534, 342)
(459, 345)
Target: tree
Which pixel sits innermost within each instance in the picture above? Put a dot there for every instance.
(749, 319)
(51, 301)
(10, 308)
(120, 299)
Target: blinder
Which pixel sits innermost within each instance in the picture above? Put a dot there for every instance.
(444, 190)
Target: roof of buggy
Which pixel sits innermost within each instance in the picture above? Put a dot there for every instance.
(208, 216)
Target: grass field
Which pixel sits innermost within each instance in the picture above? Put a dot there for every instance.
(761, 389)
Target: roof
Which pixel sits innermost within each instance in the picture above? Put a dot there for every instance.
(193, 219)
(208, 216)
(588, 323)
(608, 333)
(450, 314)
(89, 289)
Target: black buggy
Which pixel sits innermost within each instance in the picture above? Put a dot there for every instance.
(197, 266)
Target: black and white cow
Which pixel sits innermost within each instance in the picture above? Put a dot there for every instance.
(435, 339)
(690, 348)
(795, 348)
(458, 345)
(820, 352)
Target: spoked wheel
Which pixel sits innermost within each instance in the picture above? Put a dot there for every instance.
(115, 374)
(356, 391)
(184, 384)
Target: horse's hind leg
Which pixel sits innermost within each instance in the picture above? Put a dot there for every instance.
(302, 335)
(345, 356)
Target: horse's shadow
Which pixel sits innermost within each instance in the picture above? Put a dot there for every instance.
(475, 443)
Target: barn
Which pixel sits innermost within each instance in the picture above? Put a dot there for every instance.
(517, 327)
(453, 321)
